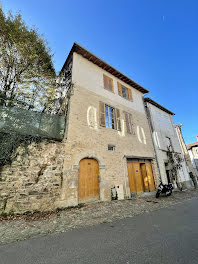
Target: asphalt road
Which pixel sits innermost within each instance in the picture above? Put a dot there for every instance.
(164, 236)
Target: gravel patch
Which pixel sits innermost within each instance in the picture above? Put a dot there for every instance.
(92, 214)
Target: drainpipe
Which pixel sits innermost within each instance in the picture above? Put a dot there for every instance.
(148, 115)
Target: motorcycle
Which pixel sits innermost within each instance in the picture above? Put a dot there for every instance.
(164, 188)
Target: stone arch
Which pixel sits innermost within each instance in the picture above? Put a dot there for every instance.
(89, 154)
(104, 185)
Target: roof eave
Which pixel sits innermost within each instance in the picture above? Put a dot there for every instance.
(149, 100)
(189, 146)
(102, 64)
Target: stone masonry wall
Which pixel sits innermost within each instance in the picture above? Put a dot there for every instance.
(87, 139)
(33, 181)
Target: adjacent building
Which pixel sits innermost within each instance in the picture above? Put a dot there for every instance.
(193, 152)
(170, 158)
(184, 150)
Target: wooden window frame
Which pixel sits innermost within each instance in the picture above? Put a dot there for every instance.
(129, 92)
(107, 79)
(116, 116)
(111, 117)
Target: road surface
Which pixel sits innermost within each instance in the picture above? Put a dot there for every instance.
(167, 235)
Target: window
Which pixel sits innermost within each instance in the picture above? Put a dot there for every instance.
(108, 83)
(129, 123)
(111, 147)
(109, 116)
(124, 92)
(168, 143)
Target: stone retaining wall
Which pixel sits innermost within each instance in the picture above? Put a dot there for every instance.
(33, 181)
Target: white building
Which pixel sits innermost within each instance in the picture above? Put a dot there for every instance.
(184, 149)
(165, 142)
(193, 152)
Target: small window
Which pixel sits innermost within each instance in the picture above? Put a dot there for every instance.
(168, 143)
(108, 83)
(111, 147)
(110, 117)
(125, 92)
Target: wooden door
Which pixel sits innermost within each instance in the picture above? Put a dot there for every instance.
(131, 176)
(144, 177)
(135, 177)
(150, 176)
(88, 182)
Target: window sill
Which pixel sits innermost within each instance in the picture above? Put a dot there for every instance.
(109, 90)
(112, 129)
(125, 98)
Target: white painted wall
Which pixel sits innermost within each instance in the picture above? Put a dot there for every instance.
(90, 76)
(163, 127)
(193, 161)
(181, 140)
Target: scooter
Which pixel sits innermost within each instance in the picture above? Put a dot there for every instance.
(164, 188)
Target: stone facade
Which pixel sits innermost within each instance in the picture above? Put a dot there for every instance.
(86, 138)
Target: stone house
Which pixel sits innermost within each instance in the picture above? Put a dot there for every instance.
(166, 143)
(193, 152)
(108, 142)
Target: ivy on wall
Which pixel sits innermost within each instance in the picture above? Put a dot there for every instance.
(175, 163)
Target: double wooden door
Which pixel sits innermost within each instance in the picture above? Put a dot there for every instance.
(88, 181)
(140, 177)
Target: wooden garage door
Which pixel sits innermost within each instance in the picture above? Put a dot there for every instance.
(150, 176)
(88, 184)
(140, 177)
(144, 177)
(135, 177)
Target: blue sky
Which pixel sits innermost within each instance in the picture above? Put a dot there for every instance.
(154, 42)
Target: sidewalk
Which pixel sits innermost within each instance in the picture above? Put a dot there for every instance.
(25, 227)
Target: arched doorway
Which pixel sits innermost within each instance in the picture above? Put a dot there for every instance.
(88, 181)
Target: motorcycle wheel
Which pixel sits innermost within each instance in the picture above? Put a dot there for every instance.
(169, 193)
(157, 194)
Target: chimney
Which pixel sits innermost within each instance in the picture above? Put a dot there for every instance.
(197, 138)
